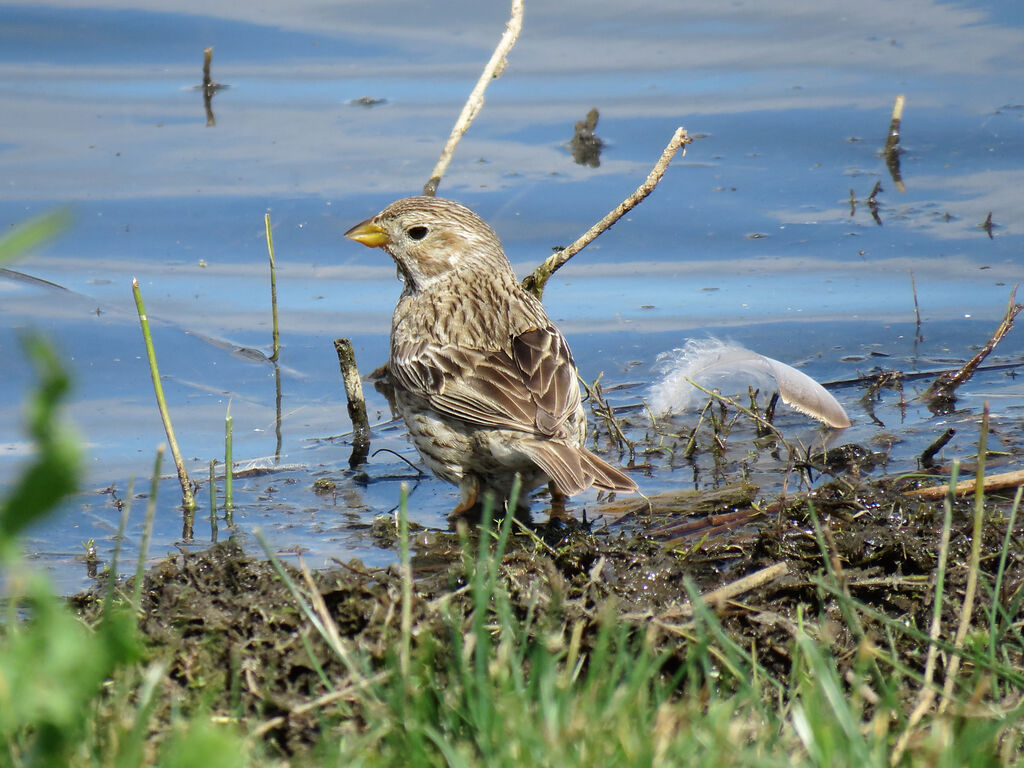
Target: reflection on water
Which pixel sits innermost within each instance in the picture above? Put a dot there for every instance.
(792, 105)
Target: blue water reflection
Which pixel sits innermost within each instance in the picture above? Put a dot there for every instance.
(751, 236)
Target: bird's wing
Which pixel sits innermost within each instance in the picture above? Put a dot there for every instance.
(529, 385)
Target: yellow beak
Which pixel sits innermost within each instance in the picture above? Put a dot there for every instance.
(369, 234)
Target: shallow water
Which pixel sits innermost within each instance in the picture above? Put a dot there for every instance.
(750, 237)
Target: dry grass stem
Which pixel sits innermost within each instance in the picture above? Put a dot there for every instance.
(475, 101)
(927, 695)
(535, 281)
(757, 418)
(972, 569)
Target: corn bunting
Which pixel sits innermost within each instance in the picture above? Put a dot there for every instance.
(484, 380)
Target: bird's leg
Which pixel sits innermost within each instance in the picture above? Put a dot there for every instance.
(470, 488)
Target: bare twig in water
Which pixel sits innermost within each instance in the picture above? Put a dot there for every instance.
(535, 281)
(356, 402)
(892, 144)
(917, 309)
(928, 454)
(873, 203)
(942, 393)
(475, 101)
(209, 88)
(207, 59)
(987, 225)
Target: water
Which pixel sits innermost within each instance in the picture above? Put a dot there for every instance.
(750, 237)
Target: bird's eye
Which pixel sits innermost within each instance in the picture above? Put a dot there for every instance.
(417, 233)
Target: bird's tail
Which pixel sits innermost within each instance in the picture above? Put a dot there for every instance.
(575, 469)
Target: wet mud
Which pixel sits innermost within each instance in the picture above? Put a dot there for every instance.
(237, 645)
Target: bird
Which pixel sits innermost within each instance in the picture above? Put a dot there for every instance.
(484, 380)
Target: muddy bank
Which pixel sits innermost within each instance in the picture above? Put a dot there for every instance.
(238, 646)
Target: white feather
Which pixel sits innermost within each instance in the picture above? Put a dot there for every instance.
(714, 363)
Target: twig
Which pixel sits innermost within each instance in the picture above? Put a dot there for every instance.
(941, 394)
(987, 225)
(535, 281)
(873, 203)
(892, 144)
(602, 407)
(717, 597)
(917, 309)
(273, 287)
(187, 499)
(209, 88)
(757, 418)
(928, 454)
(894, 127)
(998, 482)
(356, 402)
(207, 58)
(475, 101)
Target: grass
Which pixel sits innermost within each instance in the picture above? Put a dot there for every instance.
(496, 679)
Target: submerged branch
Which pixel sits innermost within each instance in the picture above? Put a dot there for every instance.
(942, 393)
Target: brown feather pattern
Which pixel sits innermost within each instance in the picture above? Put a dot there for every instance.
(488, 383)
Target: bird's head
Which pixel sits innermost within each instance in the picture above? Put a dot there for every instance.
(429, 237)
